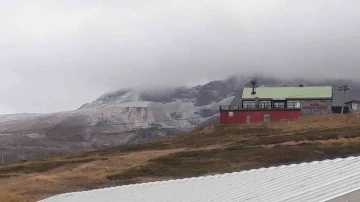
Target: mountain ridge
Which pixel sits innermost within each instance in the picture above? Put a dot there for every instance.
(129, 116)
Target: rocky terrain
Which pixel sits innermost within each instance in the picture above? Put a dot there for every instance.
(129, 116)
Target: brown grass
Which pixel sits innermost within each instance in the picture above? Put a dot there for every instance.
(205, 151)
(10, 196)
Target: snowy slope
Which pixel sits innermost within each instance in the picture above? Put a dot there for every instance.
(178, 107)
(123, 117)
(16, 117)
(130, 116)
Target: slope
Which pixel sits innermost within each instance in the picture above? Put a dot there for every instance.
(210, 150)
(129, 116)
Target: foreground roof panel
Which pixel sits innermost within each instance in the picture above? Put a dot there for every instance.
(316, 181)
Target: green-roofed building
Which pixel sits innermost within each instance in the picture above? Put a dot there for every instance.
(310, 99)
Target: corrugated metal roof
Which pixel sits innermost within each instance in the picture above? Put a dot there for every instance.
(289, 92)
(316, 181)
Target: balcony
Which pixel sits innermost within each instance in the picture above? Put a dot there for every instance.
(253, 108)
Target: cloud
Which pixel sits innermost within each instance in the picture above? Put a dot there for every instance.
(57, 55)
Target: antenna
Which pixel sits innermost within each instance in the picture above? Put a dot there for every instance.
(253, 83)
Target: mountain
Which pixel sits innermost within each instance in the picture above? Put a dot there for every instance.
(126, 116)
(129, 116)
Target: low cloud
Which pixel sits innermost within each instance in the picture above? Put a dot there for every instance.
(57, 56)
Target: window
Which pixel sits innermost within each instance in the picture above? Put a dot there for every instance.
(293, 104)
(279, 104)
(265, 104)
(266, 117)
(248, 104)
(248, 119)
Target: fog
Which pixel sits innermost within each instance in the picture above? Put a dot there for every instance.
(57, 55)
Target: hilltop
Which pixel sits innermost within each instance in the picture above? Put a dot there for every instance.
(215, 149)
(129, 116)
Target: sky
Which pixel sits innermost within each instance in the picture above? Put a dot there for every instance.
(57, 55)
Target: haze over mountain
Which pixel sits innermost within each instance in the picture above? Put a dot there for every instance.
(57, 55)
(129, 116)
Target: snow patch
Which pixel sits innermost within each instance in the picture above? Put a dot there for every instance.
(134, 104)
(35, 136)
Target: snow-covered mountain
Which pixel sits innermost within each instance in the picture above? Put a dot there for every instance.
(130, 116)
(180, 107)
(121, 117)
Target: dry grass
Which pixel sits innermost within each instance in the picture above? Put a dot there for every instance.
(319, 122)
(10, 196)
(77, 177)
(205, 151)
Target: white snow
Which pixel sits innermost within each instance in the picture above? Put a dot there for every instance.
(131, 96)
(133, 104)
(16, 117)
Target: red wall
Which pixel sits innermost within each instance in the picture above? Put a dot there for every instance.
(239, 117)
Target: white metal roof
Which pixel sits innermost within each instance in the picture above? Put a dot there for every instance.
(316, 181)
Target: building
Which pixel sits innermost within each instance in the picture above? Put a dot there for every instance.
(353, 105)
(266, 104)
(233, 115)
(334, 180)
(311, 100)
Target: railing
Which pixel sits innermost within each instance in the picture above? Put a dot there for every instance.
(238, 107)
(230, 107)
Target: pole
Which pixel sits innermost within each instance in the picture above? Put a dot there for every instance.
(343, 88)
(344, 100)
(17, 152)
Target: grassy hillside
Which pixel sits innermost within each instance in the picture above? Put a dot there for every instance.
(210, 150)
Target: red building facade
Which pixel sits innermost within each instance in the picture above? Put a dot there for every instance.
(271, 104)
(243, 116)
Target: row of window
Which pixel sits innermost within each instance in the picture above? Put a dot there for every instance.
(277, 104)
(293, 104)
